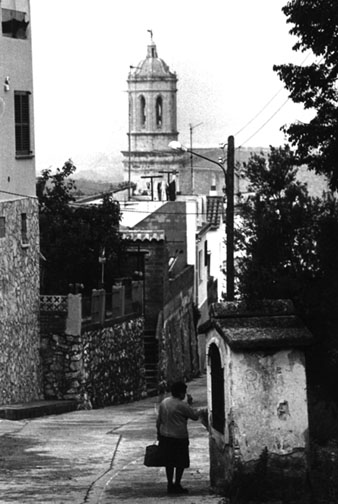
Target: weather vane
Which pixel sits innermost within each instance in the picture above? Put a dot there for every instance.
(151, 34)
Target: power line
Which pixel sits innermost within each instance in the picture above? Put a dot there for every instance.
(265, 123)
(276, 112)
(266, 105)
(261, 110)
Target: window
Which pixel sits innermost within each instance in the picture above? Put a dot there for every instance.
(22, 126)
(14, 24)
(159, 111)
(130, 107)
(24, 236)
(2, 227)
(200, 265)
(142, 111)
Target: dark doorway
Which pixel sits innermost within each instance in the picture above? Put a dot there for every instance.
(217, 388)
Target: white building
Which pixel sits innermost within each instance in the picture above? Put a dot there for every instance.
(19, 218)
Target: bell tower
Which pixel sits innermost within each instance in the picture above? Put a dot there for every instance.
(152, 123)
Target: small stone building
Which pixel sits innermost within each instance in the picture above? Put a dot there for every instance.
(257, 400)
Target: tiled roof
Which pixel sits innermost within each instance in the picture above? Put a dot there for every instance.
(215, 209)
(143, 235)
(272, 324)
(264, 332)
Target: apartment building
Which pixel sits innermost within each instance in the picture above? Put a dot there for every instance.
(19, 223)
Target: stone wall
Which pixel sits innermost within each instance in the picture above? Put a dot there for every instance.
(20, 379)
(177, 340)
(155, 277)
(270, 387)
(114, 363)
(101, 366)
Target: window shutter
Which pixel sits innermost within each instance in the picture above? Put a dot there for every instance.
(22, 123)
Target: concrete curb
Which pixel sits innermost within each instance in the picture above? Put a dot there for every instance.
(97, 488)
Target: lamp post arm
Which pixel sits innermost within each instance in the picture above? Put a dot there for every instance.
(208, 159)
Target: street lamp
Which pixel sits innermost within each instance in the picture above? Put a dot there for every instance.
(229, 189)
(179, 147)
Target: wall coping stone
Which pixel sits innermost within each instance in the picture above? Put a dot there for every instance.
(261, 307)
(268, 324)
(109, 322)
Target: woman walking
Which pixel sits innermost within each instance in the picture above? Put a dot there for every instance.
(173, 436)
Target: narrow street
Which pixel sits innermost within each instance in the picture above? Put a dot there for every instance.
(96, 457)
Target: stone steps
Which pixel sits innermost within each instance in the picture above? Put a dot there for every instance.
(151, 362)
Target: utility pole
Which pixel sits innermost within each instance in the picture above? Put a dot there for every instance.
(129, 146)
(131, 78)
(230, 218)
(191, 128)
(229, 174)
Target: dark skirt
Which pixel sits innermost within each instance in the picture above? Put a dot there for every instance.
(174, 452)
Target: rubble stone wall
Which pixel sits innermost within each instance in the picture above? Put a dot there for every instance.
(178, 347)
(20, 378)
(100, 367)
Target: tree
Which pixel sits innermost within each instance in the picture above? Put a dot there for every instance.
(288, 247)
(276, 234)
(55, 191)
(315, 24)
(73, 237)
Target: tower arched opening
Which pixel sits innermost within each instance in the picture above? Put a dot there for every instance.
(159, 111)
(142, 111)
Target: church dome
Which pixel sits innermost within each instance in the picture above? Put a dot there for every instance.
(152, 65)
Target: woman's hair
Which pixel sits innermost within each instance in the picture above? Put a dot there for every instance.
(178, 388)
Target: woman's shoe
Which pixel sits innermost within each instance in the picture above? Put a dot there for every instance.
(171, 489)
(180, 490)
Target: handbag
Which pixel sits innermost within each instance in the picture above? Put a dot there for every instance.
(153, 456)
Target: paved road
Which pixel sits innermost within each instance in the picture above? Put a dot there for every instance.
(95, 457)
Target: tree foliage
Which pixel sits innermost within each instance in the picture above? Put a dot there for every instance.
(287, 242)
(73, 237)
(277, 228)
(315, 23)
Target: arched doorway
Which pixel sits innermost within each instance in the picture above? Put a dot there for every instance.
(217, 388)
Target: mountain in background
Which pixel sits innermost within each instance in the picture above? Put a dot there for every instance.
(101, 171)
(100, 167)
(87, 187)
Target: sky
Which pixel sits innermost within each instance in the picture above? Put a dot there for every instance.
(223, 53)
